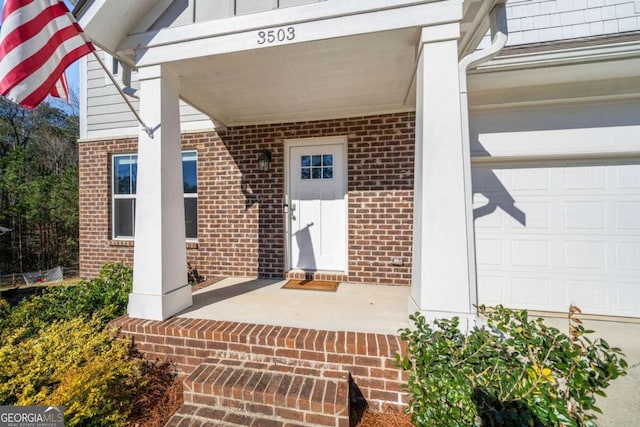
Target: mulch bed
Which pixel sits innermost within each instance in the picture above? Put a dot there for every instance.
(160, 399)
(389, 417)
(206, 283)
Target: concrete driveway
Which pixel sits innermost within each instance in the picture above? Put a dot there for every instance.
(621, 407)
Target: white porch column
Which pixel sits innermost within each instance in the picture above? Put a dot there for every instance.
(442, 286)
(160, 287)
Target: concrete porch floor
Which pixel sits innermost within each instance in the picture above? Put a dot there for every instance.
(384, 309)
(353, 307)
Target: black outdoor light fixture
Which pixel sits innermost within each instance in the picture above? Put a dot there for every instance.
(264, 161)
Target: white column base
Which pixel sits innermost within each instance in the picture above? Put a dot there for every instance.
(159, 307)
(467, 320)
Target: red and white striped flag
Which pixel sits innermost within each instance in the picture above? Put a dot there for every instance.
(60, 89)
(39, 39)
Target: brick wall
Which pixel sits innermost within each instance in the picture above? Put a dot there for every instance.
(240, 220)
(95, 206)
(370, 358)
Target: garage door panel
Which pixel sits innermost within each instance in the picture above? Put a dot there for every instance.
(585, 215)
(537, 215)
(557, 293)
(489, 252)
(586, 178)
(551, 235)
(628, 216)
(527, 179)
(534, 291)
(586, 255)
(628, 256)
(628, 176)
(589, 295)
(490, 290)
(628, 296)
(529, 253)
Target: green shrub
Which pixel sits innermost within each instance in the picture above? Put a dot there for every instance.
(74, 363)
(5, 309)
(512, 372)
(104, 297)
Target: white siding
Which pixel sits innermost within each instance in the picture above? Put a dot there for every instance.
(184, 12)
(105, 108)
(107, 113)
(537, 21)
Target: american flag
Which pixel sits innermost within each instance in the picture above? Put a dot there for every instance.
(39, 39)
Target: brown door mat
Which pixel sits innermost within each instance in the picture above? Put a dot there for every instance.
(312, 285)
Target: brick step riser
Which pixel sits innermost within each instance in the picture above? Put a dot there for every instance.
(275, 413)
(190, 415)
(269, 390)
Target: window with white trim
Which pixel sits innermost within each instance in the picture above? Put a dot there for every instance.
(123, 194)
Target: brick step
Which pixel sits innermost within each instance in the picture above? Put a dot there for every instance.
(200, 416)
(267, 392)
(203, 416)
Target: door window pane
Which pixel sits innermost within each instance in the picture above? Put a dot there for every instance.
(316, 167)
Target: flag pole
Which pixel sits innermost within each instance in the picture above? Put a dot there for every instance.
(146, 128)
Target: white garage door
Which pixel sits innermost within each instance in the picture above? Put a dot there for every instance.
(554, 234)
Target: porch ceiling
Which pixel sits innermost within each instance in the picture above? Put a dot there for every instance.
(348, 58)
(346, 76)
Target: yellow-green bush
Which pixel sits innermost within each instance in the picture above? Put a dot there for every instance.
(74, 363)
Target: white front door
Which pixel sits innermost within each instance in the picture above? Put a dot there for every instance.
(317, 188)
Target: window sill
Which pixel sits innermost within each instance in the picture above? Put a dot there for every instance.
(130, 243)
(123, 242)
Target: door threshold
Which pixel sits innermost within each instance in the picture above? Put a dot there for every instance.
(335, 276)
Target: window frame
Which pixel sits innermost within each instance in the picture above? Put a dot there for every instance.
(115, 196)
(193, 195)
(133, 196)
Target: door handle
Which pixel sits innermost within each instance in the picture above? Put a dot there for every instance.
(289, 210)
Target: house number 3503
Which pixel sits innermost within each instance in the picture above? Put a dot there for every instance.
(276, 35)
